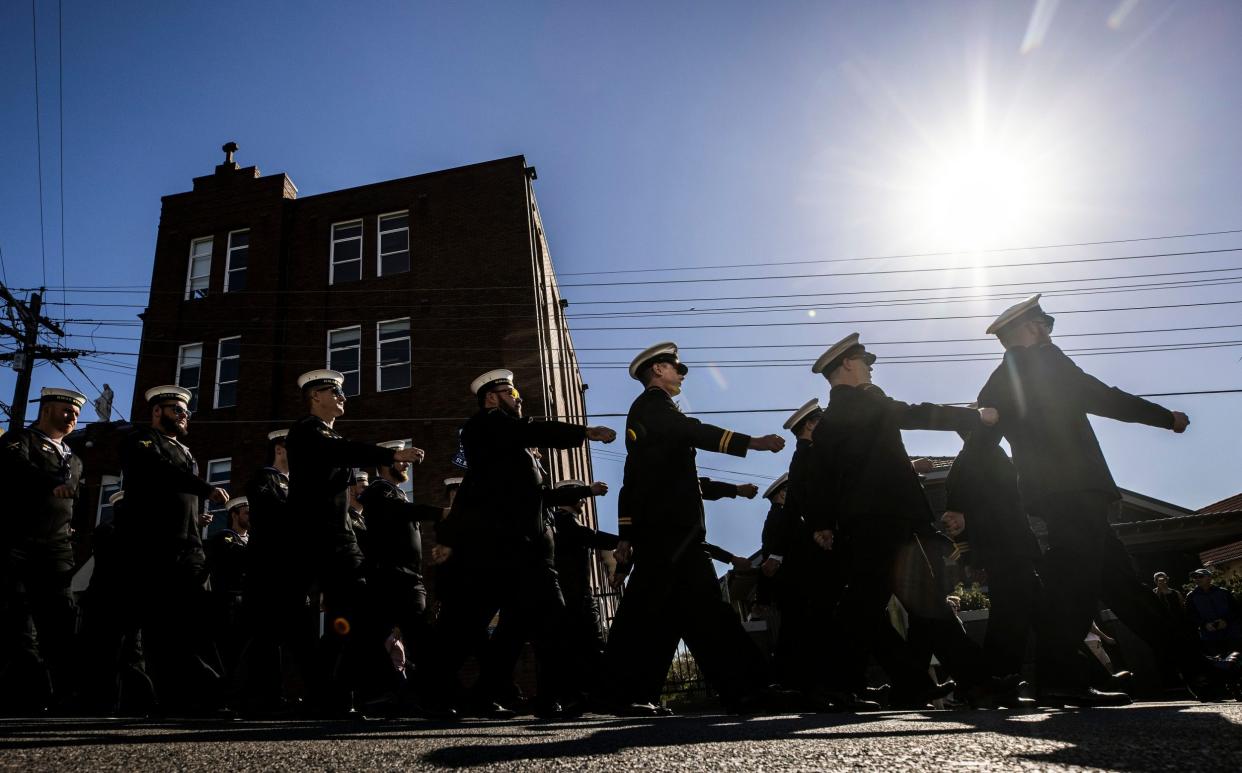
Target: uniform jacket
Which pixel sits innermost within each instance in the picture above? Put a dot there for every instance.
(163, 498)
(320, 462)
(395, 543)
(276, 539)
(501, 499)
(983, 485)
(861, 469)
(660, 508)
(226, 562)
(1043, 399)
(576, 544)
(37, 527)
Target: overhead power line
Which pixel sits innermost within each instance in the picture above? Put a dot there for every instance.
(346, 420)
(34, 40)
(337, 289)
(902, 256)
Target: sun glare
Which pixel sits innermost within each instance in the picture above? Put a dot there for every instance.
(975, 197)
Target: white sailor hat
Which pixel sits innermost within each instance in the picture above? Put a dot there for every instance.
(279, 434)
(318, 379)
(490, 379)
(836, 354)
(568, 483)
(361, 476)
(237, 502)
(57, 395)
(451, 482)
(809, 408)
(776, 486)
(161, 394)
(395, 445)
(1020, 312)
(117, 497)
(662, 352)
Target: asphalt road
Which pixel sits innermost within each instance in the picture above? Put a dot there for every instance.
(1145, 737)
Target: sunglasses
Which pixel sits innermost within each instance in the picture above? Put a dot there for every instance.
(335, 390)
(178, 410)
(511, 391)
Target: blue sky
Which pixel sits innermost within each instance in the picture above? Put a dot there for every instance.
(701, 134)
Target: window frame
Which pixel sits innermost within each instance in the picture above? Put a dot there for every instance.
(379, 355)
(379, 242)
(189, 271)
(108, 485)
(330, 349)
(226, 484)
(228, 258)
(332, 242)
(197, 388)
(215, 398)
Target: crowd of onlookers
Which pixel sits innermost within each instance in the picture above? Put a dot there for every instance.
(1211, 609)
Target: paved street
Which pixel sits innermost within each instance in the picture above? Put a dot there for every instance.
(1145, 737)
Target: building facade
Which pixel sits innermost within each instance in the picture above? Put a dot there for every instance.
(410, 287)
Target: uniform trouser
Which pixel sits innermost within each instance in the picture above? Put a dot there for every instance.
(230, 630)
(401, 603)
(180, 656)
(875, 574)
(38, 620)
(353, 640)
(582, 644)
(524, 589)
(809, 585)
(283, 629)
(1087, 565)
(1016, 592)
(665, 602)
(114, 672)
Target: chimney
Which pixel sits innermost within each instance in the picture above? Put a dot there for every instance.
(229, 164)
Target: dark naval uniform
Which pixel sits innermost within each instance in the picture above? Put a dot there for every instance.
(866, 491)
(673, 592)
(277, 584)
(320, 468)
(36, 563)
(1043, 399)
(502, 548)
(576, 544)
(808, 583)
(163, 498)
(983, 485)
(395, 554)
(226, 567)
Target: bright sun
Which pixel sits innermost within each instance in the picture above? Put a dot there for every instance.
(976, 197)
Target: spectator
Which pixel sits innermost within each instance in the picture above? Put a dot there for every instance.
(1169, 596)
(1215, 613)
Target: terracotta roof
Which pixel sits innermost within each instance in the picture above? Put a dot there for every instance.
(1222, 554)
(1224, 506)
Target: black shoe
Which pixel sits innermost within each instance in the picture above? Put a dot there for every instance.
(1082, 697)
(547, 709)
(921, 698)
(490, 710)
(768, 701)
(834, 701)
(995, 691)
(636, 709)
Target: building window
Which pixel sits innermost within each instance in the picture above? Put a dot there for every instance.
(346, 252)
(189, 366)
(199, 273)
(219, 474)
(344, 353)
(393, 340)
(394, 243)
(228, 361)
(238, 259)
(108, 485)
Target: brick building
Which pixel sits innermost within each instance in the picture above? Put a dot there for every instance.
(410, 287)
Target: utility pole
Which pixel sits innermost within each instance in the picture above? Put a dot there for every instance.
(29, 351)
